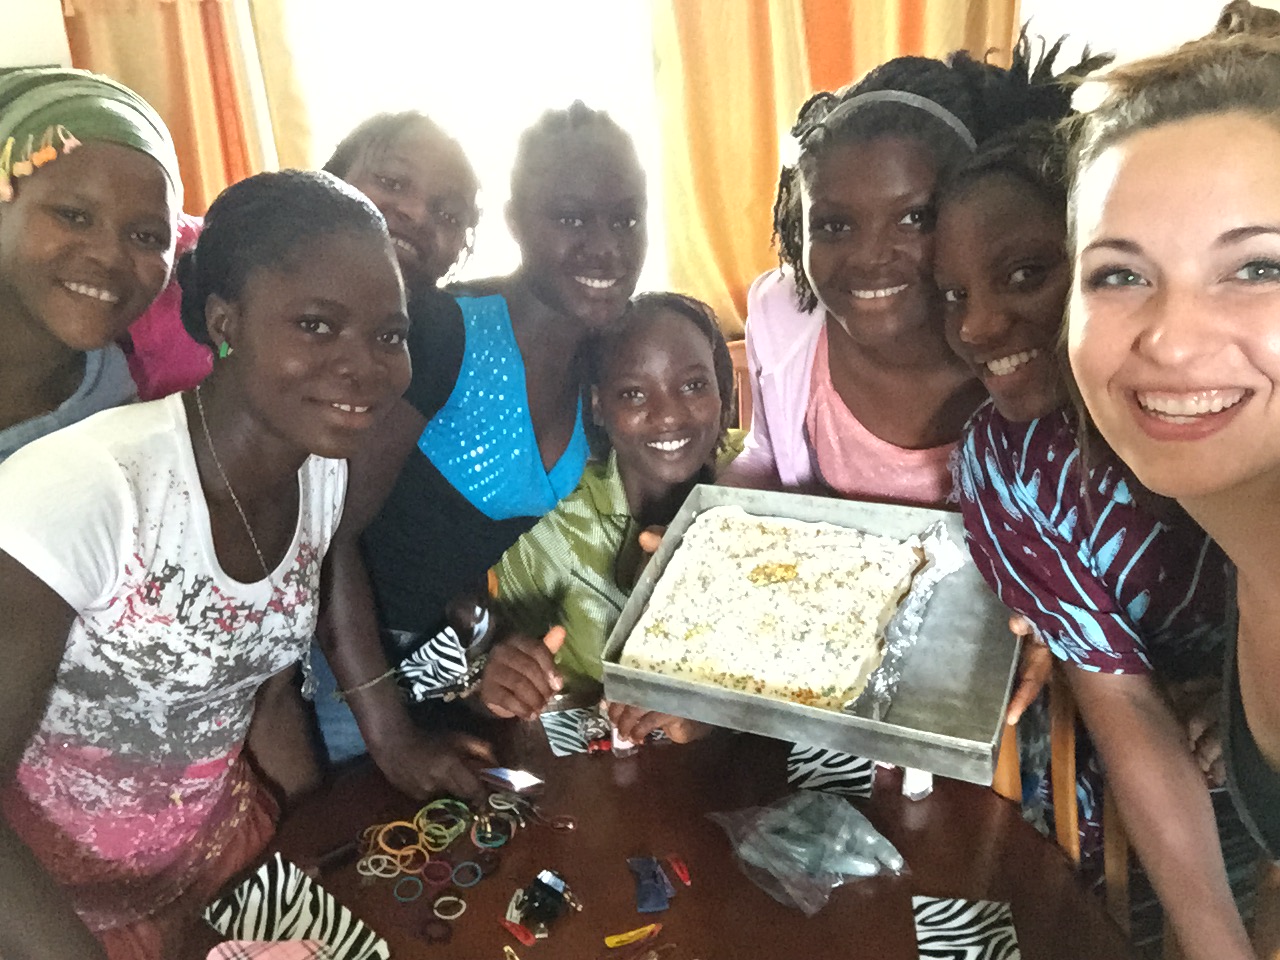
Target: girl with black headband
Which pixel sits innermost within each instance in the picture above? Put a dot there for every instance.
(855, 391)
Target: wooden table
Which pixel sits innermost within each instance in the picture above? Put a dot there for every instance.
(963, 841)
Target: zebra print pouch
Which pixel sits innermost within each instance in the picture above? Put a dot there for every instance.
(564, 729)
(830, 771)
(280, 902)
(947, 928)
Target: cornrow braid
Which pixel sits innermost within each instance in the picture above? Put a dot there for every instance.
(1035, 103)
(984, 98)
(265, 221)
(554, 125)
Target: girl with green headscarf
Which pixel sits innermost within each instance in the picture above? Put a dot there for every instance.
(89, 195)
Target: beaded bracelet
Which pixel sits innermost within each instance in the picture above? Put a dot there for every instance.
(449, 899)
(341, 695)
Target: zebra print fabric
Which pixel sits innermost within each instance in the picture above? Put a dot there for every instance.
(280, 902)
(569, 731)
(565, 731)
(815, 768)
(436, 666)
(954, 929)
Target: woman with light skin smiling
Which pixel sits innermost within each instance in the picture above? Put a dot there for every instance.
(1174, 339)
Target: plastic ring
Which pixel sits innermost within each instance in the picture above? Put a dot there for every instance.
(383, 865)
(377, 865)
(386, 829)
(405, 859)
(492, 838)
(435, 837)
(449, 899)
(449, 804)
(437, 871)
(504, 801)
(471, 882)
(407, 898)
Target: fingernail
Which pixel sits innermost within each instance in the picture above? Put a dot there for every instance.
(556, 682)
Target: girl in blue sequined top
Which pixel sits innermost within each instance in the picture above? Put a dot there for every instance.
(489, 436)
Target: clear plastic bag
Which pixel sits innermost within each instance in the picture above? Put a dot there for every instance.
(803, 846)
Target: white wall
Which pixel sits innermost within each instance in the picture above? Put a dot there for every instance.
(33, 34)
(1127, 28)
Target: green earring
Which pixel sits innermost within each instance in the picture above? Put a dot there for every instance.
(224, 350)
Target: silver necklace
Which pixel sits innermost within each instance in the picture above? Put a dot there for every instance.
(308, 679)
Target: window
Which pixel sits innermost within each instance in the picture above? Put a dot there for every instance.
(484, 70)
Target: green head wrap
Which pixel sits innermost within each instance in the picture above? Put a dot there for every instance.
(45, 113)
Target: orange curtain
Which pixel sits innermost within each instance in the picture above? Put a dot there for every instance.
(190, 59)
(731, 75)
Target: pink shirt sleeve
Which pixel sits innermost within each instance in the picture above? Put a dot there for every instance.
(754, 468)
(163, 358)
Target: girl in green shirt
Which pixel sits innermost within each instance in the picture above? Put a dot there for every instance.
(661, 395)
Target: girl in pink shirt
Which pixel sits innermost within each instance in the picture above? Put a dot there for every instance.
(855, 391)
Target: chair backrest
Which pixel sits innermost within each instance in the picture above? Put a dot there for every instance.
(741, 381)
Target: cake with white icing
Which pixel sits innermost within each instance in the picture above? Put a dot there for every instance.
(785, 608)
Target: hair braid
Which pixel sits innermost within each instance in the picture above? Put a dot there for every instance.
(985, 98)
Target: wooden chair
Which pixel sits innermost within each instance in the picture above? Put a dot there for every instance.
(1008, 777)
(741, 382)
(1115, 842)
(1062, 748)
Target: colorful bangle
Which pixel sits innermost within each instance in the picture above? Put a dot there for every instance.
(378, 865)
(449, 804)
(436, 838)
(397, 825)
(403, 897)
(483, 835)
(437, 872)
(405, 859)
(449, 899)
(473, 880)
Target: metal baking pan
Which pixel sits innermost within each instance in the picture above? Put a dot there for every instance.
(948, 713)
